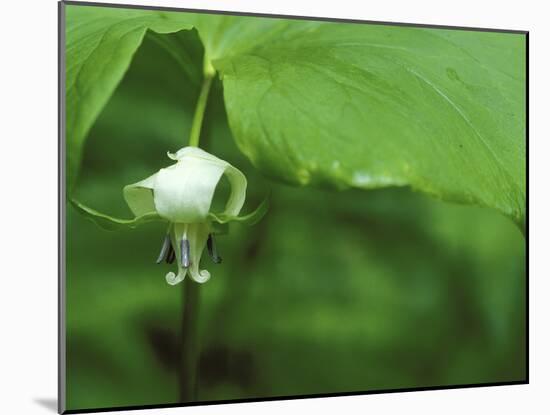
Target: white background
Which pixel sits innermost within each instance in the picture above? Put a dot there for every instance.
(28, 163)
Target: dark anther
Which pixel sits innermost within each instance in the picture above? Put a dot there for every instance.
(212, 251)
(185, 253)
(164, 251)
(171, 255)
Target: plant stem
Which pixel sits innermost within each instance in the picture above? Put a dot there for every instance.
(189, 342)
(195, 135)
(189, 359)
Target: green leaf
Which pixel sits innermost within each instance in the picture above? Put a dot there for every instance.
(371, 106)
(100, 43)
(224, 36)
(349, 105)
(110, 223)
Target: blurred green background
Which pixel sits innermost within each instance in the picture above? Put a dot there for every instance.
(334, 291)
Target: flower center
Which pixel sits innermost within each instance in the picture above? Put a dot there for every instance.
(185, 243)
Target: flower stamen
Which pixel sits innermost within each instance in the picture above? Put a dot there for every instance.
(212, 251)
(185, 262)
(165, 250)
(171, 255)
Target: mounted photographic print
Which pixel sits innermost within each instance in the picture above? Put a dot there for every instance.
(275, 207)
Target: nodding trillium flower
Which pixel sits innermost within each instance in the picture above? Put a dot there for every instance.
(182, 195)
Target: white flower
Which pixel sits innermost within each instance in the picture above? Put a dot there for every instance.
(182, 194)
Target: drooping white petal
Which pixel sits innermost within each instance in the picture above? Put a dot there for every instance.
(183, 192)
(179, 232)
(173, 279)
(139, 196)
(200, 276)
(237, 180)
(197, 235)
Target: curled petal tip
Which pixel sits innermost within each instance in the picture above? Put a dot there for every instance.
(201, 277)
(171, 278)
(174, 279)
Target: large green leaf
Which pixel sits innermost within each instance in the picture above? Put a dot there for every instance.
(224, 36)
(353, 105)
(352, 275)
(100, 43)
(371, 106)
